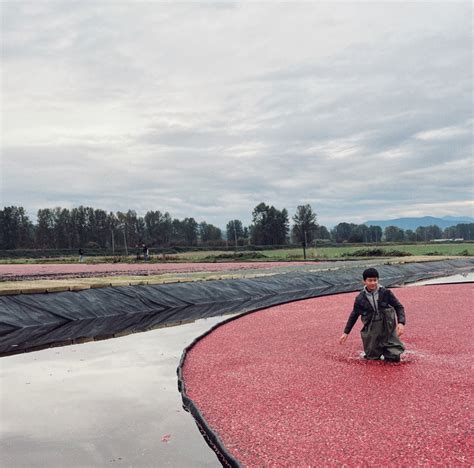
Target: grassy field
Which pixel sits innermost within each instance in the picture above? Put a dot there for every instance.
(318, 253)
(334, 253)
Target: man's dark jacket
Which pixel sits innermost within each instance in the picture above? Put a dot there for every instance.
(362, 307)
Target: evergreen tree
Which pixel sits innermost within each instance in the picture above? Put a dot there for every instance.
(45, 229)
(305, 227)
(16, 230)
(209, 233)
(235, 231)
(269, 225)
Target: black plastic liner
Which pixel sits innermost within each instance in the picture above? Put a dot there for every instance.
(33, 321)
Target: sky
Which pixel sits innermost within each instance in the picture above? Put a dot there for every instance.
(205, 109)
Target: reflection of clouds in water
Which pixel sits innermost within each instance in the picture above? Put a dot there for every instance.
(90, 404)
(466, 277)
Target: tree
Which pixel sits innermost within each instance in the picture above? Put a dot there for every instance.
(434, 232)
(101, 228)
(90, 226)
(157, 227)
(393, 234)
(460, 231)
(360, 233)
(322, 233)
(79, 226)
(257, 229)
(305, 225)
(62, 228)
(177, 235)
(450, 233)
(235, 231)
(410, 235)
(45, 228)
(465, 231)
(269, 225)
(112, 224)
(343, 232)
(375, 234)
(421, 234)
(427, 233)
(132, 228)
(185, 232)
(190, 227)
(25, 228)
(209, 233)
(16, 230)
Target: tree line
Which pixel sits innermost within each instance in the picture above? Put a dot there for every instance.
(87, 227)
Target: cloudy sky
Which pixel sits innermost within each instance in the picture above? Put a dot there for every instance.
(363, 110)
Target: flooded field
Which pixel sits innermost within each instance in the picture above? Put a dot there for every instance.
(105, 403)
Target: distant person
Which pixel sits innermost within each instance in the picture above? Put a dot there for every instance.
(145, 252)
(81, 255)
(380, 311)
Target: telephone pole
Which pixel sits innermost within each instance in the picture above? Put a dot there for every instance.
(304, 245)
(125, 240)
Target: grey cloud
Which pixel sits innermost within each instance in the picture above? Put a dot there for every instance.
(193, 138)
(212, 127)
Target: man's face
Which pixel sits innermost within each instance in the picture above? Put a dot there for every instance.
(371, 283)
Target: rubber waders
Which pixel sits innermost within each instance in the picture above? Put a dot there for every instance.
(379, 335)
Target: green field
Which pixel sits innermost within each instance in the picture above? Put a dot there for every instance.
(334, 253)
(348, 252)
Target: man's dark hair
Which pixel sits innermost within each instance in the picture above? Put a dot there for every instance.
(370, 273)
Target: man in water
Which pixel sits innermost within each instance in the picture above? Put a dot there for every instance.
(383, 317)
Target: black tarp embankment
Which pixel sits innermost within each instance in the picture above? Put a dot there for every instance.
(36, 320)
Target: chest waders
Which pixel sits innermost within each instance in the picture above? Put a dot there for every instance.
(379, 336)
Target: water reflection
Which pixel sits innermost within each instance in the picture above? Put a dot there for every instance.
(461, 278)
(94, 404)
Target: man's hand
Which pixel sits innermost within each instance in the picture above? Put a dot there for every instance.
(400, 329)
(343, 338)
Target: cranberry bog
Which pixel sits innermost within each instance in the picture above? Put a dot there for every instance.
(41, 278)
(77, 405)
(85, 270)
(42, 315)
(275, 388)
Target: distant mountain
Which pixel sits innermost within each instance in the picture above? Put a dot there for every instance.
(413, 223)
(459, 219)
